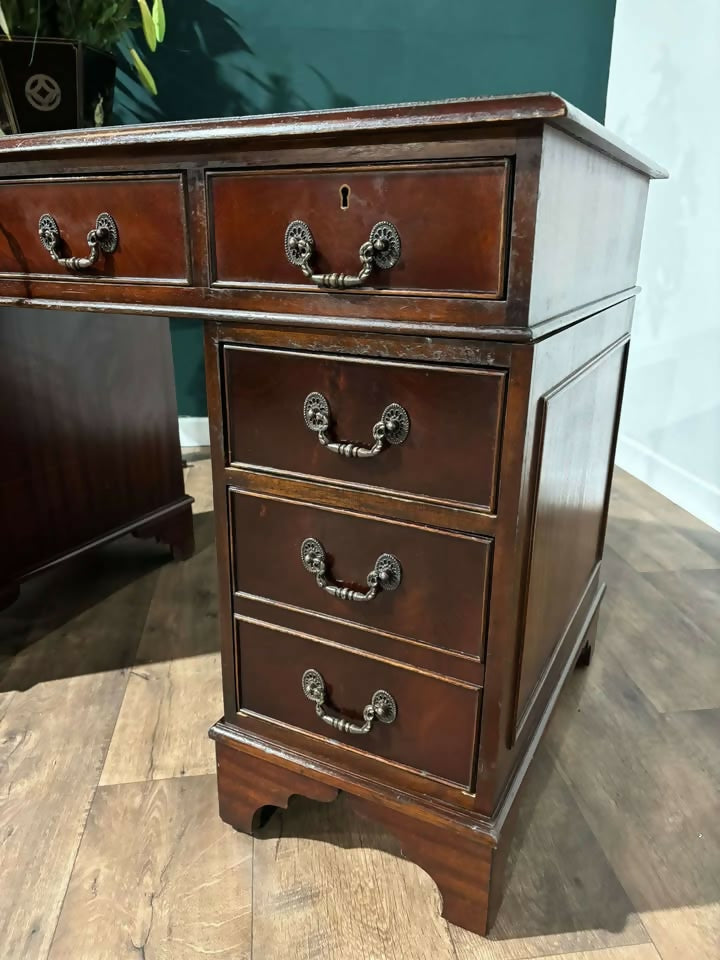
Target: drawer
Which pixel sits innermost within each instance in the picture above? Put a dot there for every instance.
(149, 212)
(437, 597)
(454, 419)
(433, 722)
(450, 218)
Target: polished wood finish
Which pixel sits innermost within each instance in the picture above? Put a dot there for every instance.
(418, 737)
(571, 488)
(246, 785)
(580, 194)
(437, 210)
(149, 211)
(605, 864)
(175, 529)
(446, 663)
(440, 601)
(88, 411)
(497, 506)
(460, 131)
(455, 413)
(458, 862)
(357, 123)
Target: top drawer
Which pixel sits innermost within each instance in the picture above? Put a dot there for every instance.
(450, 220)
(149, 212)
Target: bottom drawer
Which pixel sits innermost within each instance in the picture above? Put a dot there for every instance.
(435, 723)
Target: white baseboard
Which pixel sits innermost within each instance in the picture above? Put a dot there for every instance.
(697, 496)
(194, 431)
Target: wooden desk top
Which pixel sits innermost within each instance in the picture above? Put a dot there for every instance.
(460, 116)
(201, 209)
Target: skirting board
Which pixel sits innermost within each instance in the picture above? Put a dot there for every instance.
(693, 494)
(194, 431)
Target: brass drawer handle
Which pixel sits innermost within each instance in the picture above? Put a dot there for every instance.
(103, 236)
(382, 706)
(381, 250)
(385, 575)
(392, 427)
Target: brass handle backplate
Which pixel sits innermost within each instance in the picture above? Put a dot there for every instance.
(392, 427)
(380, 250)
(103, 236)
(382, 706)
(385, 575)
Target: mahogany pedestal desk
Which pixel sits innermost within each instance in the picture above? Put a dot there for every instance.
(411, 459)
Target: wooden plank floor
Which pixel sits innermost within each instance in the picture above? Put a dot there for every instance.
(111, 844)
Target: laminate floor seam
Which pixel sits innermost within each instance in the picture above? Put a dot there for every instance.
(559, 766)
(72, 871)
(639, 909)
(696, 711)
(126, 671)
(252, 899)
(648, 578)
(142, 780)
(87, 814)
(603, 868)
(597, 951)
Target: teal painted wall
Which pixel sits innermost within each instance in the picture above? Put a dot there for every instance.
(266, 56)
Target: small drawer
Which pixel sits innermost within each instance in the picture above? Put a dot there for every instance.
(148, 213)
(427, 723)
(448, 444)
(435, 592)
(450, 220)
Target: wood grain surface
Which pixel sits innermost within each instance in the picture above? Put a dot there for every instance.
(157, 876)
(444, 575)
(147, 210)
(617, 861)
(460, 178)
(173, 688)
(93, 446)
(477, 193)
(450, 454)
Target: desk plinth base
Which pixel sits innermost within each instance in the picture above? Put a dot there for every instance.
(464, 859)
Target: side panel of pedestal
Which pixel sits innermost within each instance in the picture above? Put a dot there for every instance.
(89, 419)
(575, 439)
(573, 412)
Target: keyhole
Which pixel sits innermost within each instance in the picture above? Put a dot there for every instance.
(344, 196)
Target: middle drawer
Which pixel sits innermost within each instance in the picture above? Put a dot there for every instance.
(430, 585)
(433, 431)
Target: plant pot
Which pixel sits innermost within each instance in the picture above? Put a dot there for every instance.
(58, 85)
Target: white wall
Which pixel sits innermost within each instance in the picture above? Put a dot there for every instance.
(664, 99)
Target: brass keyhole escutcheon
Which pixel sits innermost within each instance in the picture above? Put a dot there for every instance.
(344, 196)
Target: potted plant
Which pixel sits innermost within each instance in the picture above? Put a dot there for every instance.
(57, 66)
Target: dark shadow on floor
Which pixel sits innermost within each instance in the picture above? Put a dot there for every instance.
(557, 880)
(88, 613)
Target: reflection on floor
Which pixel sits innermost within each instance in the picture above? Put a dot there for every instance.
(111, 843)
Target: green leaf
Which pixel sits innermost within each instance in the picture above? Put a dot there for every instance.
(109, 15)
(147, 24)
(158, 15)
(4, 24)
(146, 78)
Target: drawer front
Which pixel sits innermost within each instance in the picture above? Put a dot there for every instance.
(435, 726)
(451, 221)
(451, 450)
(440, 598)
(149, 212)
